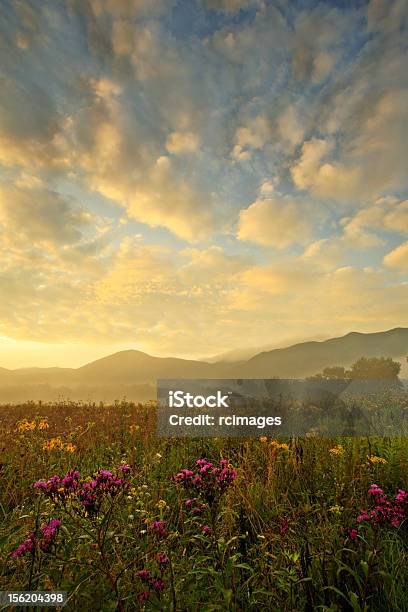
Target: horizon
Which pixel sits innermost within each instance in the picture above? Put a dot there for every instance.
(188, 176)
(210, 359)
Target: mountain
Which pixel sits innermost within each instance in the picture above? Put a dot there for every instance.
(133, 374)
(134, 366)
(308, 358)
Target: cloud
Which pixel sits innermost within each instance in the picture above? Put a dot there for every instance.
(276, 222)
(182, 142)
(291, 128)
(41, 215)
(324, 178)
(386, 16)
(251, 136)
(398, 258)
(29, 122)
(111, 146)
(230, 6)
(387, 214)
(212, 266)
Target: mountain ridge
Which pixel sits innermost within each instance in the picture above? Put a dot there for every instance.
(133, 373)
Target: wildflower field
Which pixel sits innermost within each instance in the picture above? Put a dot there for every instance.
(93, 503)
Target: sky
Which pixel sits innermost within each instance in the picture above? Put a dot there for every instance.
(188, 177)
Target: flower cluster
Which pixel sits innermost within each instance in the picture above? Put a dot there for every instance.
(59, 445)
(336, 450)
(88, 492)
(383, 511)
(155, 584)
(207, 480)
(49, 533)
(44, 539)
(158, 528)
(374, 459)
(26, 425)
(194, 506)
(25, 547)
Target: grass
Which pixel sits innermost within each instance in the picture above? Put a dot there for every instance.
(277, 537)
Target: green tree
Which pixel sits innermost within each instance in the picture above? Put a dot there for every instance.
(334, 372)
(375, 367)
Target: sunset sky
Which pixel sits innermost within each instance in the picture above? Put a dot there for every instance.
(187, 177)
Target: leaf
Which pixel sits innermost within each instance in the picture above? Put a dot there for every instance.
(354, 601)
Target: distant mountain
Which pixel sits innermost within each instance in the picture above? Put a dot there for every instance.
(133, 374)
(134, 366)
(308, 358)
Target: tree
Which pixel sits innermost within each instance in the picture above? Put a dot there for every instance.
(334, 372)
(375, 367)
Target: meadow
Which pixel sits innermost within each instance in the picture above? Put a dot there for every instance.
(93, 503)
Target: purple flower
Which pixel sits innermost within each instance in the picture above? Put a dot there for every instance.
(157, 584)
(353, 533)
(143, 597)
(162, 558)
(206, 530)
(125, 468)
(158, 528)
(143, 574)
(49, 533)
(25, 547)
(375, 490)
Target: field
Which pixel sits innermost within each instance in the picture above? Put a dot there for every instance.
(122, 520)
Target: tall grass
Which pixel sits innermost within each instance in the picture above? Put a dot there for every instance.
(277, 537)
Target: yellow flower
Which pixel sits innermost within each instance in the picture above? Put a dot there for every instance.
(58, 444)
(277, 444)
(263, 439)
(161, 504)
(43, 424)
(134, 428)
(336, 450)
(335, 509)
(374, 459)
(25, 425)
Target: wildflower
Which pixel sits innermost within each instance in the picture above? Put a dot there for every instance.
(284, 526)
(60, 445)
(161, 504)
(43, 424)
(353, 533)
(206, 530)
(49, 533)
(157, 584)
(335, 509)
(209, 480)
(336, 450)
(134, 428)
(375, 490)
(277, 444)
(162, 558)
(143, 597)
(374, 459)
(158, 528)
(25, 547)
(143, 574)
(263, 439)
(25, 425)
(383, 510)
(125, 468)
(402, 496)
